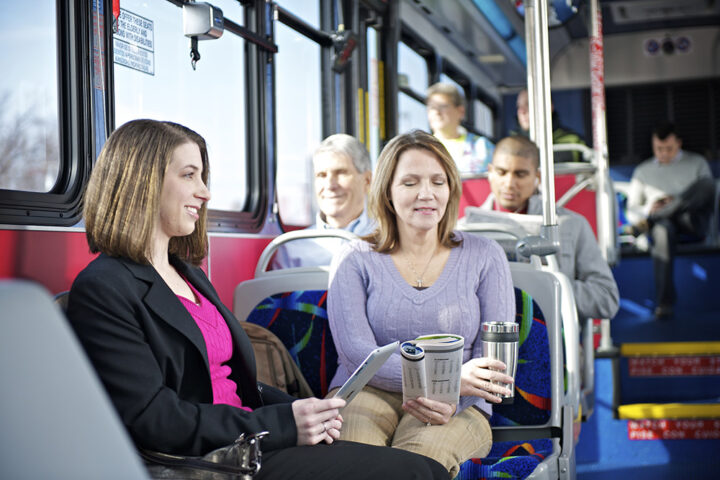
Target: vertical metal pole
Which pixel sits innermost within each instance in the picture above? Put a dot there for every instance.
(389, 56)
(605, 199)
(605, 196)
(540, 106)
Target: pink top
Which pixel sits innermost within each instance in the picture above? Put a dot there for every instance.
(219, 348)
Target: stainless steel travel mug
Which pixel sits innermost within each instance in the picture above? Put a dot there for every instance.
(500, 341)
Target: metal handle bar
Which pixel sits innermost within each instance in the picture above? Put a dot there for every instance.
(269, 251)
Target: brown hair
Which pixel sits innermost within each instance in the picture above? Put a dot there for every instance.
(122, 198)
(385, 237)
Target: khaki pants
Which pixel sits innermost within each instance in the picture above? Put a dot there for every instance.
(376, 417)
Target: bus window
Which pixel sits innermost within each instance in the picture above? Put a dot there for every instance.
(29, 131)
(307, 10)
(483, 120)
(411, 114)
(412, 76)
(154, 79)
(444, 78)
(299, 115)
(413, 67)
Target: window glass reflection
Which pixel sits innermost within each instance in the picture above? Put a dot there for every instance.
(299, 123)
(308, 10)
(154, 79)
(29, 130)
(483, 118)
(411, 114)
(412, 69)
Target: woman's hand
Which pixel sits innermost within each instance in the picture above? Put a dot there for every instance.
(430, 411)
(317, 420)
(476, 377)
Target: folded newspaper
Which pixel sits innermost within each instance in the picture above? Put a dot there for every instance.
(431, 366)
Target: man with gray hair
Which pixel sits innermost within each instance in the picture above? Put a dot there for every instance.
(343, 171)
(445, 111)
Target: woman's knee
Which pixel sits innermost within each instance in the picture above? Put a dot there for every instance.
(370, 418)
(467, 435)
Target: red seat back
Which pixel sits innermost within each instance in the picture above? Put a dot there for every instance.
(476, 190)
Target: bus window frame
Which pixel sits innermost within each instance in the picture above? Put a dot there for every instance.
(438, 65)
(340, 109)
(258, 51)
(472, 92)
(369, 21)
(478, 94)
(257, 119)
(427, 53)
(333, 110)
(61, 206)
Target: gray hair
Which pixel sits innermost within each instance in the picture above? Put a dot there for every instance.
(347, 145)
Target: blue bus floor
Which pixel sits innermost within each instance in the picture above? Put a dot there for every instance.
(697, 311)
(685, 325)
(604, 450)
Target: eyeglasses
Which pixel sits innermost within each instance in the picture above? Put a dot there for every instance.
(439, 107)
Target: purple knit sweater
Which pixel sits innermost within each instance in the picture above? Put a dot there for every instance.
(370, 304)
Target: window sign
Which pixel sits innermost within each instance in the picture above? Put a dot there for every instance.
(134, 42)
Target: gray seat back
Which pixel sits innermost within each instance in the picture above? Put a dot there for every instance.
(57, 421)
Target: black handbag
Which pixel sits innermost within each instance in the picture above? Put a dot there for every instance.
(238, 461)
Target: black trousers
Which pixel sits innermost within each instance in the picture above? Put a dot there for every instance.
(348, 461)
(687, 214)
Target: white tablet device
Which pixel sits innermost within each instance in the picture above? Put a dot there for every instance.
(362, 375)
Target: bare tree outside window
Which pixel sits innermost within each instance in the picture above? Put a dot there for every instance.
(29, 155)
(29, 132)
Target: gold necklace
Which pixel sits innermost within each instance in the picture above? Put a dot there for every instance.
(419, 278)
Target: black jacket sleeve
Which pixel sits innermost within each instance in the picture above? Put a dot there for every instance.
(156, 377)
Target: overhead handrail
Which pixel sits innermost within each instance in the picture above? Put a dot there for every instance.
(574, 190)
(587, 153)
(286, 237)
(515, 232)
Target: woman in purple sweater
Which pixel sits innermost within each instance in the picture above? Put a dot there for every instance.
(177, 365)
(414, 276)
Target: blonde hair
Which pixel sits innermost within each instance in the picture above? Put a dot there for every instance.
(121, 202)
(386, 236)
(447, 89)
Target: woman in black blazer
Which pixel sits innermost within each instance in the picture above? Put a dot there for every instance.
(145, 212)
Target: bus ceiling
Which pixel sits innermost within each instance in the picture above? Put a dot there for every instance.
(501, 52)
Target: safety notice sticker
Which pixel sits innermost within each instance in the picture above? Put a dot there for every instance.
(134, 42)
